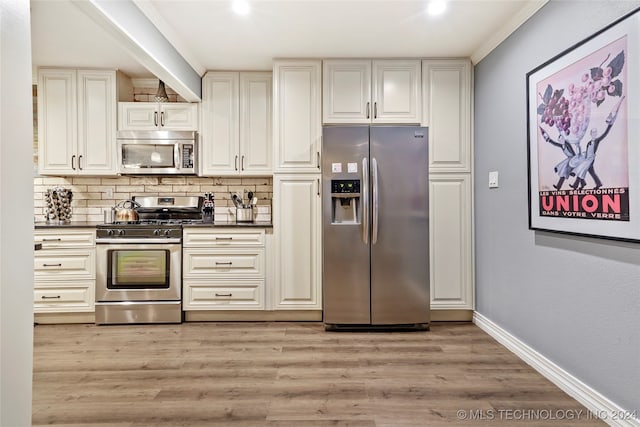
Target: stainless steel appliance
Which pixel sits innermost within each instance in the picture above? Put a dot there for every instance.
(139, 264)
(157, 152)
(375, 215)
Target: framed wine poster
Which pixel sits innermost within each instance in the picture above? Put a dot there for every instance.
(583, 111)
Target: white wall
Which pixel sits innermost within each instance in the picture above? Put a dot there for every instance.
(576, 300)
(16, 221)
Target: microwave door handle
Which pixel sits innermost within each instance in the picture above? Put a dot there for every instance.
(176, 156)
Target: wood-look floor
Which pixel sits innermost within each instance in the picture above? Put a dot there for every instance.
(287, 374)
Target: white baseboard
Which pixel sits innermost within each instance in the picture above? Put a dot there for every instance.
(595, 402)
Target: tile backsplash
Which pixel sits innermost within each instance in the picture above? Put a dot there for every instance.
(92, 195)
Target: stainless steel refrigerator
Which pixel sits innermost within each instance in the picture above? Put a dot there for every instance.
(375, 219)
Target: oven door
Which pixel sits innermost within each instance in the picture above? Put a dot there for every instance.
(138, 271)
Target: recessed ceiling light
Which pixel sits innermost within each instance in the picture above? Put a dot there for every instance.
(436, 7)
(241, 7)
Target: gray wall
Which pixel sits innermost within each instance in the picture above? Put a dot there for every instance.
(575, 300)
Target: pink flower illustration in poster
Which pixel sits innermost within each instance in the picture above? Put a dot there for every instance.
(583, 167)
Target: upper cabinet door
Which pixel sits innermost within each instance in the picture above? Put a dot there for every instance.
(366, 91)
(297, 115)
(346, 91)
(154, 116)
(447, 113)
(138, 116)
(220, 129)
(396, 91)
(96, 122)
(57, 121)
(179, 116)
(256, 151)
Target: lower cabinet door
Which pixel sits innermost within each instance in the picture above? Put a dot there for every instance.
(64, 265)
(298, 251)
(451, 263)
(218, 263)
(61, 298)
(223, 295)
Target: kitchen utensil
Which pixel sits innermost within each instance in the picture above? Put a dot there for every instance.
(109, 215)
(244, 214)
(126, 211)
(237, 201)
(254, 201)
(249, 196)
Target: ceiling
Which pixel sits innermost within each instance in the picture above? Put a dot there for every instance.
(211, 37)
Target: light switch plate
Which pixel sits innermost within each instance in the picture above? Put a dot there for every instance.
(493, 179)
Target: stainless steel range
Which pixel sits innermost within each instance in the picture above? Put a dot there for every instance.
(139, 265)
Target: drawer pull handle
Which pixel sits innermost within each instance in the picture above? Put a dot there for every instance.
(52, 240)
(46, 297)
(224, 263)
(224, 238)
(52, 265)
(223, 295)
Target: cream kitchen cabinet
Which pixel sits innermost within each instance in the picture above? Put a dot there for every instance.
(64, 270)
(297, 116)
(297, 242)
(451, 247)
(371, 91)
(157, 116)
(236, 124)
(77, 121)
(223, 268)
(447, 113)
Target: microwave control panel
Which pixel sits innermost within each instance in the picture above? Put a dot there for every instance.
(187, 156)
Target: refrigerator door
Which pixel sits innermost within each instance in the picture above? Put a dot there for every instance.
(345, 225)
(400, 226)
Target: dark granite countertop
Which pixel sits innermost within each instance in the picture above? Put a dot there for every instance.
(89, 224)
(71, 224)
(259, 224)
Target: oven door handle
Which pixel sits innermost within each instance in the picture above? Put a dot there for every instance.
(140, 241)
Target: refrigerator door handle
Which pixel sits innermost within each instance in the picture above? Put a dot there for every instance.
(376, 196)
(365, 201)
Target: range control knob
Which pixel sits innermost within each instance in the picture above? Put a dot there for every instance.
(109, 232)
(156, 232)
(168, 232)
(121, 232)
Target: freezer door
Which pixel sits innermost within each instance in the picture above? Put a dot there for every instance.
(400, 225)
(345, 225)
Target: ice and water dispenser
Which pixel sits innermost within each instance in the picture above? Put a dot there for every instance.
(345, 201)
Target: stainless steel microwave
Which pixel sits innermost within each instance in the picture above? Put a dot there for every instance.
(157, 152)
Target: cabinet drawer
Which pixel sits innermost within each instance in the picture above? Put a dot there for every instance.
(211, 263)
(223, 295)
(54, 239)
(63, 298)
(64, 265)
(210, 237)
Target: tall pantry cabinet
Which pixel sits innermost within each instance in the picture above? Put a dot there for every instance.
(297, 137)
(447, 113)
